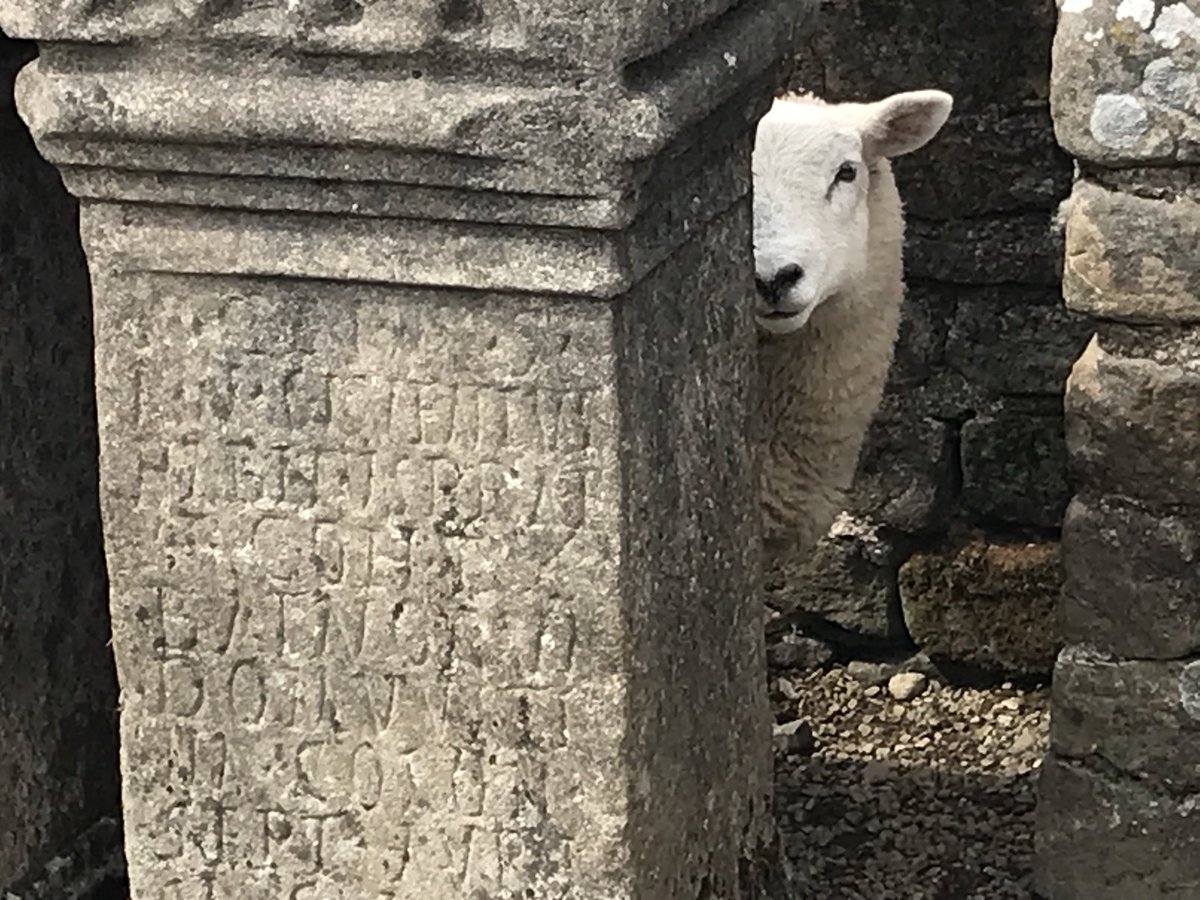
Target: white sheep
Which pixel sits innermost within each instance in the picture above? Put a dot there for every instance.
(828, 241)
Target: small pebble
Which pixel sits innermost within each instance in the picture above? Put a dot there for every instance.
(907, 685)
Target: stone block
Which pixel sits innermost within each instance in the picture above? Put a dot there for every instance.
(1014, 467)
(1141, 717)
(988, 605)
(1132, 584)
(1016, 340)
(1132, 258)
(1133, 416)
(59, 777)
(1022, 248)
(1124, 83)
(986, 54)
(1103, 837)
(849, 581)
(907, 473)
(1000, 159)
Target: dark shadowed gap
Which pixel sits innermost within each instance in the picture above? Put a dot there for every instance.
(59, 778)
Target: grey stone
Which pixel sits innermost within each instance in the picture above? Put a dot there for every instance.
(1141, 718)
(1101, 837)
(907, 472)
(1125, 87)
(989, 54)
(1132, 258)
(1020, 248)
(1016, 341)
(798, 652)
(1132, 587)
(1014, 468)
(794, 737)
(849, 581)
(981, 164)
(990, 605)
(1133, 416)
(59, 779)
(426, 507)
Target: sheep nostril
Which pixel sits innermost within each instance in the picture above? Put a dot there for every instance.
(787, 276)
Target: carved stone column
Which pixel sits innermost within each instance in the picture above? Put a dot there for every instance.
(1120, 789)
(423, 360)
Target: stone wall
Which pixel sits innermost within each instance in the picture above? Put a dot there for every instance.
(962, 483)
(1118, 792)
(424, 376)
(58, 693)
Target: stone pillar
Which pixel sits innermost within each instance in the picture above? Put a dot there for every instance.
(1118, 810)
(423, 357)
(59, 791)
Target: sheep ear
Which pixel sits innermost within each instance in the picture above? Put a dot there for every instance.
(904, 122)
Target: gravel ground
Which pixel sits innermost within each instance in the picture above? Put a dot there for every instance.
(928, 798)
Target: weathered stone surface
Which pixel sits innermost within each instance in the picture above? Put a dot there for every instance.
(906, 476)
(1023, 248)
(980, 163)
(58, 691)
(1132, 258)
(1132, 580)
(1105, 838)
(1133, 416)
(1125, 86)
(850, 581)
(1016, 340)
(1014, 467)
(1140, 717)
(987, 604)
(986, 54)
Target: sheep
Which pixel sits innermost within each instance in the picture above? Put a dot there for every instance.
(828, 238)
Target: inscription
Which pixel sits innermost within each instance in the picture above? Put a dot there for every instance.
(359, 629)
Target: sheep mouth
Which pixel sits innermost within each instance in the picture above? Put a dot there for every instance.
(779, 314)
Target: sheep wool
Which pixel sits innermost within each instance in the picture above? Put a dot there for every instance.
(828, 236)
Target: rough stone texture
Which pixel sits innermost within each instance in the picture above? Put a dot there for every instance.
(984, 604)
(1125, 82)
(58, 692)
(849, 582)
(1133, 258)
(427, 485)
(1116, 712)
(1106, 838)
(1117, 813)
(1134, 416)
(1014, 467)
(1131, 587)
(985, 343)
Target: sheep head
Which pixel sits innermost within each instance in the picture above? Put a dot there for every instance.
(813, 165)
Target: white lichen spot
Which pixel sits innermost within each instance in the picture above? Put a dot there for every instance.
(731, 60)
(1141, 11)
(1189, 689)
(1094, 36)
(1175, 23)
(1169, 85)
(1118, 121)
(1076, 6)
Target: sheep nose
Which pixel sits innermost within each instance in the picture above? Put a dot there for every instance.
(772, 291)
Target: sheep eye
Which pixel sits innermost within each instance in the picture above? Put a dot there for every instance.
(847, 173)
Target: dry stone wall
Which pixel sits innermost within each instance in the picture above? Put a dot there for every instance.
(963, 477)
(58, 691)
(424, 376)
(1118, 791)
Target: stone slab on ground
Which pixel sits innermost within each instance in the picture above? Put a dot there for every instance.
(988, 605)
